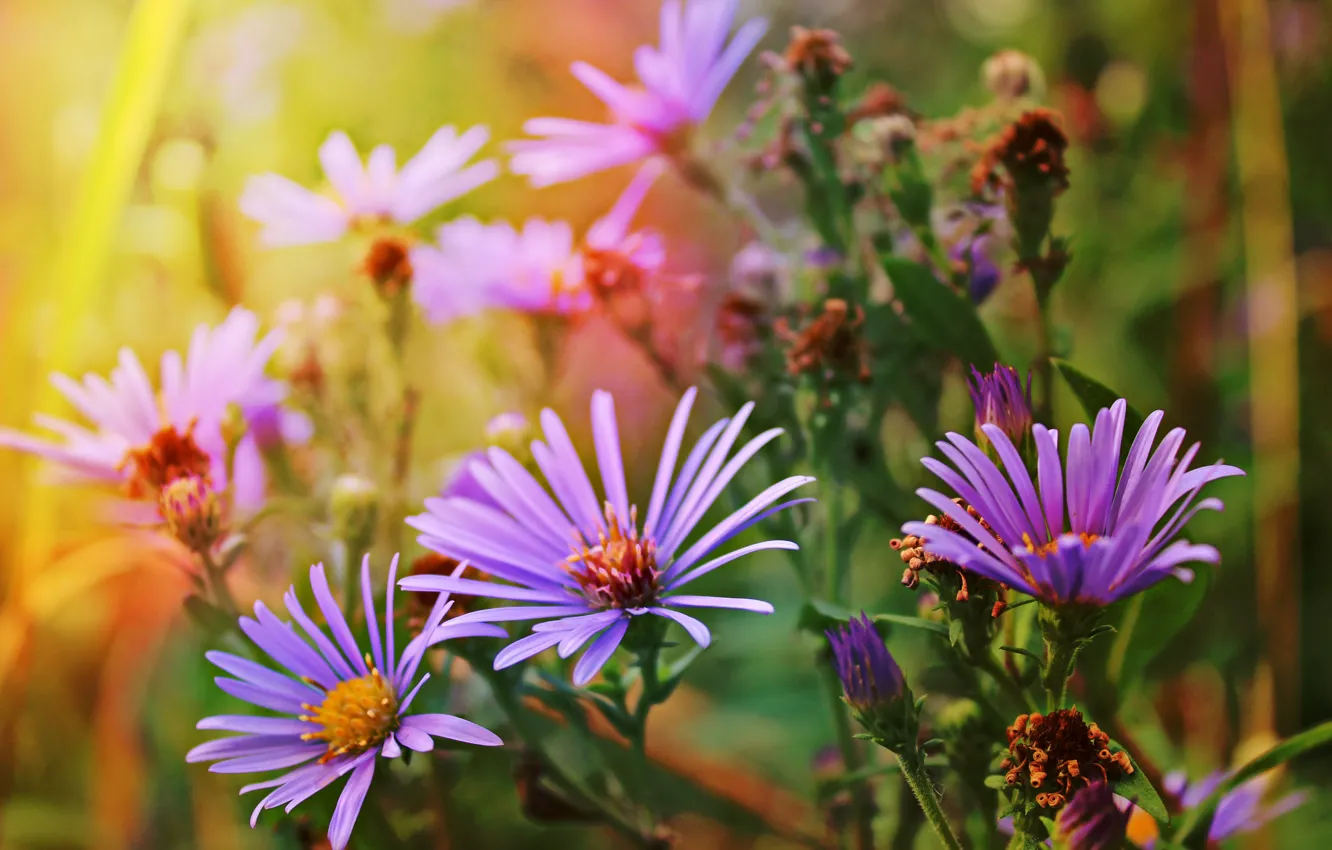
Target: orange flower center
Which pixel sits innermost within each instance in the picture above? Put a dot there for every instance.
(620, 571)
(168, 456)
(1052, 546)
(356, 715)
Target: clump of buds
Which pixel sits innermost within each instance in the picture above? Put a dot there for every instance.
(388, 264)
(830, 347)
(818, 56)
(1053, 756)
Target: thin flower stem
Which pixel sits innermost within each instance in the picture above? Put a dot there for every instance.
(651, 695)
(913, 769)
(217, 582)
(1060, 658)
(1044, 351)
(836, 558)
(862, 802)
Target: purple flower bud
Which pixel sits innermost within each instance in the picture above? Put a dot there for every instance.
(870, 677)
(1092, 820)
(1002, 401)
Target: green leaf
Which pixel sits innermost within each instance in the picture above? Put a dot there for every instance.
(1017, 650)
(912, 623)
(1138, 788)
(998, 783)
(945, 318)
(819, 615)
(1095, 395)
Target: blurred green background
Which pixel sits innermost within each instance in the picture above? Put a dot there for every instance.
(1201, 218)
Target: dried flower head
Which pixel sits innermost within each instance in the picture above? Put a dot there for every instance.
(945, 573)
(830, 346)
(1031, 151)
(1053, 756)
(741, 321)
(169, 455)
(817, 54)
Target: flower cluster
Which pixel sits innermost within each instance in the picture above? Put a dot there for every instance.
(1052, 756)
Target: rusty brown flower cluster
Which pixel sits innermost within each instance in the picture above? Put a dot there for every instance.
(171, 454)
(1031, 150)
(817, 53)
(917, 557)
(1055, 754)
(435, 564)
(831, 345)
(389, 264)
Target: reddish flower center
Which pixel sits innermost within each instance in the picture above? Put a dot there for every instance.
(620, 571)
(168, 456)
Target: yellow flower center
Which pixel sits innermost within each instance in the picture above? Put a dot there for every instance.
(356, 715)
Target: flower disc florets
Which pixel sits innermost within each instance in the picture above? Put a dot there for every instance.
(357, 714)
(170, 454)
(620, 570)
(1052, 756)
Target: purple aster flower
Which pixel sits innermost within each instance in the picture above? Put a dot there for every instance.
(976, 254)
(870, 677)
(618, 570)
(375, 190)
(1000, 400)
(143, 438)
(679, 83)
(1242, 810)
(1082, 532)
(475, 266)
(344, 706)
(1093, 820)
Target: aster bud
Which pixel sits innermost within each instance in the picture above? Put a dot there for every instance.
(1092, 821)
(1001, 400)
(234, 427)
(1011, 74)
(354, 506)
(873, 684)
(192, 513)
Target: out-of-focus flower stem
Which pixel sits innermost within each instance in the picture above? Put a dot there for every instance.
(399, 324)
(707, 181)
(991, 667)
(913, 770)
(1044, 351)
(217, 583)
(862, 802)
(650, 696)
(513, 711)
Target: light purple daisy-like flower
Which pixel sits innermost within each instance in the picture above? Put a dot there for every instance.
(679, 83)
(539, 269)
(618, 570)
(1242, 810)
(1082, 532)
(343, 706)
(373, 191)
(223, 366)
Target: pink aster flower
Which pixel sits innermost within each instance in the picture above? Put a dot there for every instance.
(375, 190)
(143, 438)
(539, 269)
(679, 83)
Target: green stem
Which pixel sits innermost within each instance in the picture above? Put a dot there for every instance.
(862, 801)
(217, 582)
(833, 544)
(1044, 351)
(647, 665)
(913, 768)
(1060, 657)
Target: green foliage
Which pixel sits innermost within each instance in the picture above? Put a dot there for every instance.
(947, 319)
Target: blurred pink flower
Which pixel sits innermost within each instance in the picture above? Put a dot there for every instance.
(181, 422)
(679, 83)
(477, 266)
(374, 190)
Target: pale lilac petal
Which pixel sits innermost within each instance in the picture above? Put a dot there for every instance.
(756, 605)
(349, 803)
(414, 739)
(695, 628)
(453, 728)
(670, 452)
(256, 725)
(606, 434)
(524, 648)
(704, 569)
(599, 653)
(287, 757)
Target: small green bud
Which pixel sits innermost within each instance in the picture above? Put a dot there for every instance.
(354, 506)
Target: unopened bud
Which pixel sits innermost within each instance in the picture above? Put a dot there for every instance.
(354, 506)
(192, 512)
(1010, 74)
(512, 432)
(873, 684)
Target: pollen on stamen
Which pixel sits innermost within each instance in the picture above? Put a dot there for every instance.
(356, 714)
